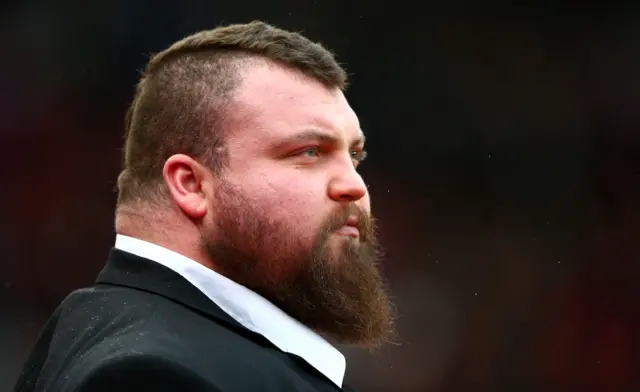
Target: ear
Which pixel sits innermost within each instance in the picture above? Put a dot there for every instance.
(187, 182)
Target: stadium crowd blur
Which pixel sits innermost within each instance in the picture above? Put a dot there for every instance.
(504, 170)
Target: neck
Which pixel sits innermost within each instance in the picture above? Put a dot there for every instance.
(168, 232)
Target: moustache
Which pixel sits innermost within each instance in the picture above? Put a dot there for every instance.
(347, 215)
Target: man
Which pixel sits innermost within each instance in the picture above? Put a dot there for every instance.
(245, 242)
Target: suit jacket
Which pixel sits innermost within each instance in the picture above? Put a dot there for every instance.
(143, 327)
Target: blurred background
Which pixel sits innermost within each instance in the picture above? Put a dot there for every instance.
(504, 169)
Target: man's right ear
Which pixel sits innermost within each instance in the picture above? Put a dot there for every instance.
(187, 181)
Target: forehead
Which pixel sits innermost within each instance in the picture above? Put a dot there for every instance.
(274, 102)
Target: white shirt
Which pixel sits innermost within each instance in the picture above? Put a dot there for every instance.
(247, 307)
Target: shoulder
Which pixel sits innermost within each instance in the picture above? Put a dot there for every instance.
(169, 359)
(159, 370)
(135, 372)
(160, 343)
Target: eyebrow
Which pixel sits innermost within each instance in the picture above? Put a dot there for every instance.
(313, 135)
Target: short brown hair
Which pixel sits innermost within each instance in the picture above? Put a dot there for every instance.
(180, 101)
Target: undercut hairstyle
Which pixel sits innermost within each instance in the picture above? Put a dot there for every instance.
(183, 98)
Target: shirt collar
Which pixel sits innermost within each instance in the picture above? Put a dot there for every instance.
(248, 308)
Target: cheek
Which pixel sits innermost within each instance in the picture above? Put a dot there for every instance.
(295, 201)
(292, 198)
(289, 197)
(301, 198)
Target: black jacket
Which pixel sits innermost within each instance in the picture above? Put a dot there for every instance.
(143, 327)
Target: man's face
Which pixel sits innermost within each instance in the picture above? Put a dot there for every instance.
(291, 215)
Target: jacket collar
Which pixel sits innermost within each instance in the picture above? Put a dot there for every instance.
(146, 266)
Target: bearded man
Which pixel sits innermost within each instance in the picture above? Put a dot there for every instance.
(245, 245)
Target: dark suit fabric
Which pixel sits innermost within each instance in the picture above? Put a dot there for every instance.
(143, 327)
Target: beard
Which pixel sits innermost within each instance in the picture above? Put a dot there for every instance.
(336, 291)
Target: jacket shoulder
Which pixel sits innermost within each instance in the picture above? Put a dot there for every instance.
(135, 372)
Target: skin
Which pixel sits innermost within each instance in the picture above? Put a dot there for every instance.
(290, 217)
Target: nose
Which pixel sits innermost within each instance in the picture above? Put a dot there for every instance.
(348, 186)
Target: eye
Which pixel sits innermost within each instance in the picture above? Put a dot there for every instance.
(311, 152)
(358, 156)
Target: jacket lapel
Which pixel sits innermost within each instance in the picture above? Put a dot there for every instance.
(127, 270)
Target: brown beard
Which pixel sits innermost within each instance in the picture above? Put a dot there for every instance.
(337, 292)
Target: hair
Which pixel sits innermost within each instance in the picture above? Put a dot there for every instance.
(182, 100)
